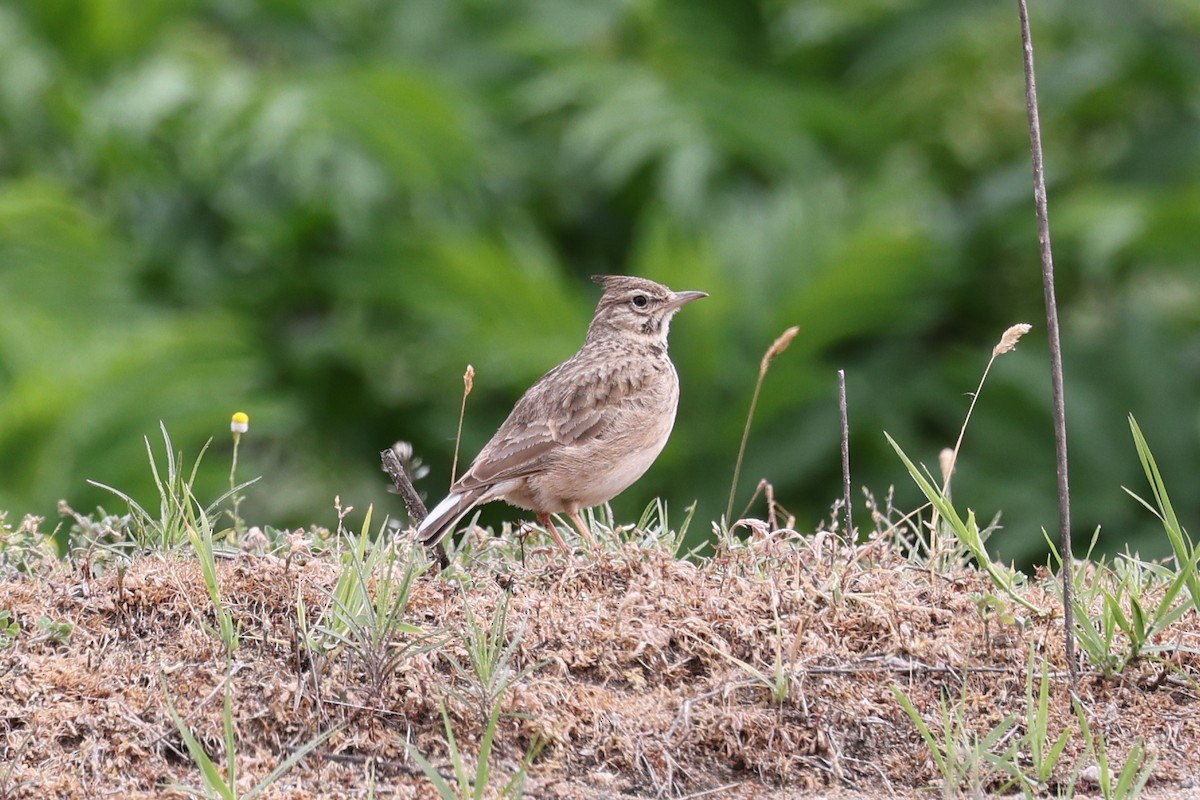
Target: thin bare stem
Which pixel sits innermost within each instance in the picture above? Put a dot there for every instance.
(845, 454)
(468, 384)
(237, 497)
(948, 468)
(239, 424)
(1008, 343)
(1052, 332)
(949, 458)
(737, 467)
(778, 346)
(963, 430)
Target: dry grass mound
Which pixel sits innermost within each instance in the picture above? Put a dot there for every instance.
(768, 669)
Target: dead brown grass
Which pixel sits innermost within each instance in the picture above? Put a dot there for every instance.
(640, 693)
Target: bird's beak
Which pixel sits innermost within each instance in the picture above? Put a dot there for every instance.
(683, 298)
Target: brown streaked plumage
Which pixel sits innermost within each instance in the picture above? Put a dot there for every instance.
(588, 428)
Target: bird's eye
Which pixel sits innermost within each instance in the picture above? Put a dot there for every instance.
(640, 301)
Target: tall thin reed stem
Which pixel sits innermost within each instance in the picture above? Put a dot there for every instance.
(1056, 374)
(843, 411)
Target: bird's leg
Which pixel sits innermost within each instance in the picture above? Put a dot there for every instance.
(548, 524)
(583, 529)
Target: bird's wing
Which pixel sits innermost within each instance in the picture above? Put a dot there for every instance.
(570, 406)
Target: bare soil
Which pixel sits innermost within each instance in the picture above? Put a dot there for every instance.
(644, 689)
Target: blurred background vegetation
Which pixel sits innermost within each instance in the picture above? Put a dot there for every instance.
(320, 213)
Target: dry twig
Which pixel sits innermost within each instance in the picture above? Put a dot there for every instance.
(410, 496)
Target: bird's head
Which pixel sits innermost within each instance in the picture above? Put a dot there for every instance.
(637, 307)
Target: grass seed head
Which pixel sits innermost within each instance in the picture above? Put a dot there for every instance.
(946, 460)
(778, 346)
(1008, 342)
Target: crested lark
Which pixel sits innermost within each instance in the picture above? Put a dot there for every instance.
(588, 428)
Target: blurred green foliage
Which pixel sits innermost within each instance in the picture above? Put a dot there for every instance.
(319, 213)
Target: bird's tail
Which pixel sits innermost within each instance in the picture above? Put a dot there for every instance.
(446, 514)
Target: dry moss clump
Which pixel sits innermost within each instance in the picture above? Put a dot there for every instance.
(769, 668)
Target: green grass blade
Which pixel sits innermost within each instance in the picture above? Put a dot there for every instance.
(918, 721)
(439, 783)
(460, 769)
(230, 733)
(482, 764)
(213, 781)
(966, 531)
(1181, 543)
(288, 763)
